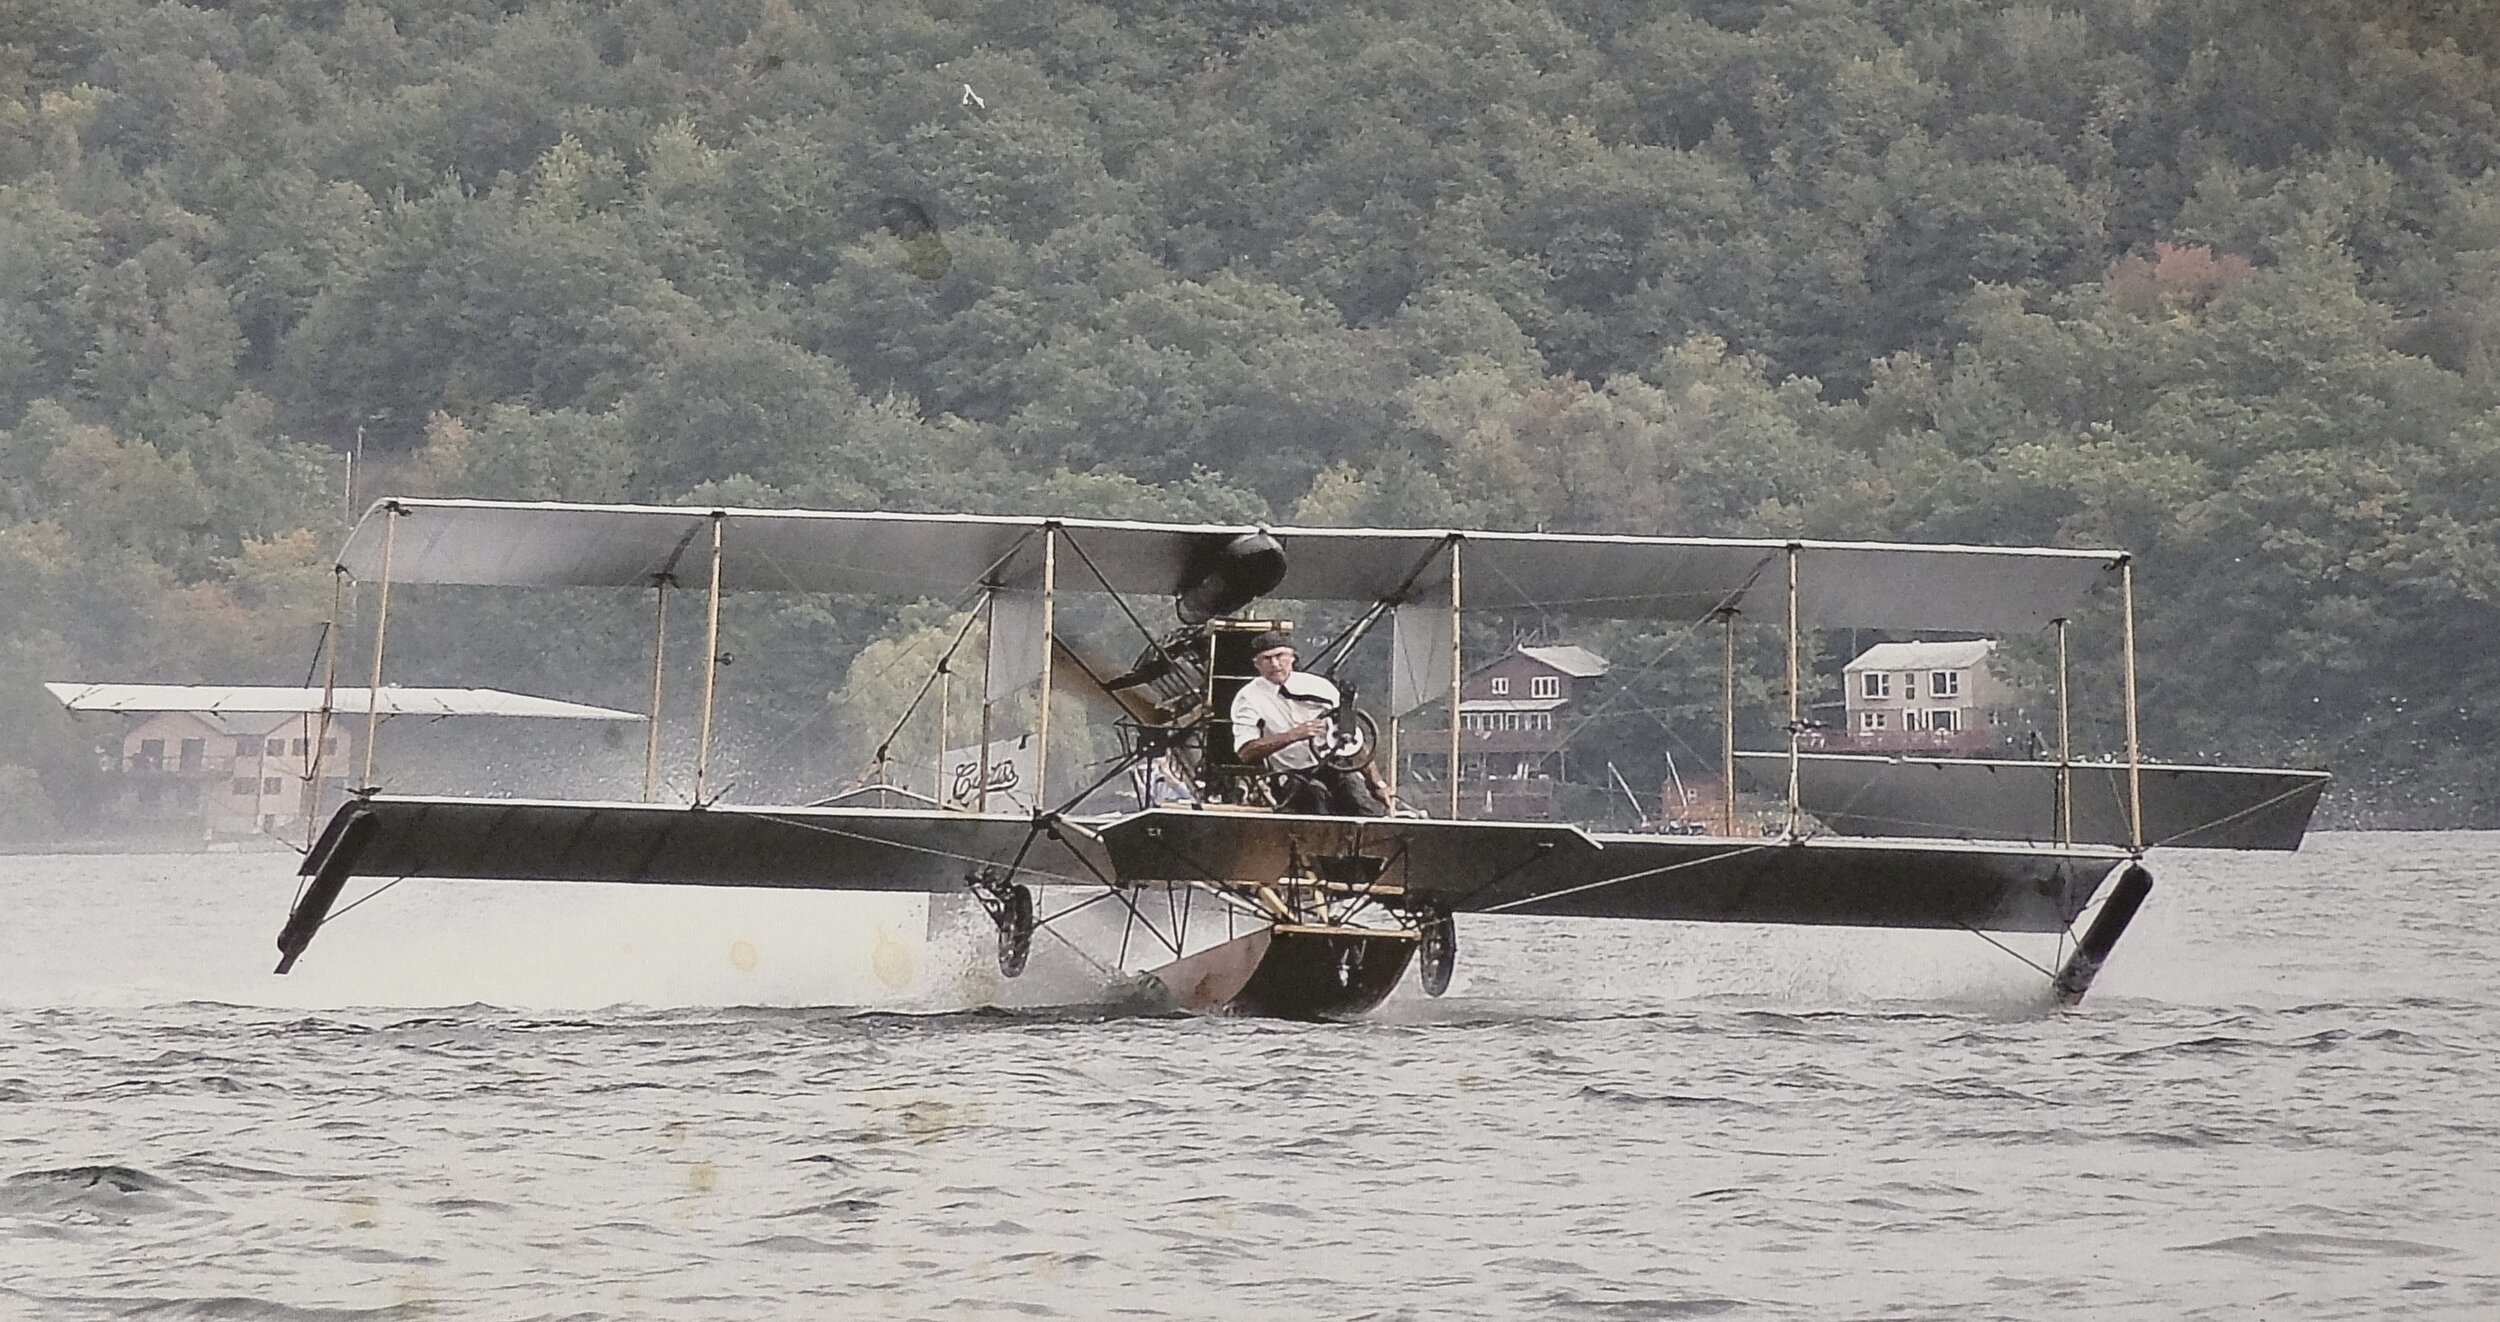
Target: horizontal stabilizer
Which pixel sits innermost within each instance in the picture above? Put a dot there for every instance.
(1983, 799)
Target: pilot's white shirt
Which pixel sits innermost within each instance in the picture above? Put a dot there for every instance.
(1261, 709)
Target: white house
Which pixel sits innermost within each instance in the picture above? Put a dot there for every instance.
(1938, 696)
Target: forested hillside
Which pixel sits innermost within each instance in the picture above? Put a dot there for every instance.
(2214, 280)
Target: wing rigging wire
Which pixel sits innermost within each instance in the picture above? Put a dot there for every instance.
(1623, 690)
(933, 851)
(1329, 657)
(1738, 852)
(961, 601)
(877, 764)
(2018, 955)
(2226, 819)
(1674, 646)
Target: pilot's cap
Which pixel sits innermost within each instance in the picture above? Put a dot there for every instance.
(1269, 642)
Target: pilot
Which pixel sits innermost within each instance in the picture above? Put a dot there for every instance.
(1280, 720)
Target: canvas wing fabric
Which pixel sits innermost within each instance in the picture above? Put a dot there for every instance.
(1477, 867)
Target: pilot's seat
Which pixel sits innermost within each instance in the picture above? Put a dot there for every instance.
(1223, 777)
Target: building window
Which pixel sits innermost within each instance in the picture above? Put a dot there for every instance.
(1545, 686)
(151, 756)
(194, 754)
(272, 785)
(1501, 685)
(1913, 720)
(1945, 684)
(1871, 720)
(330, 745)
(1944, 718)
(245, 747)
(1909, 686)
(301, 745)
(245, 785)
(1875, 684)
(276, 747)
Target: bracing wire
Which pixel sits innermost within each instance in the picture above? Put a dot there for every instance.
(877, 763)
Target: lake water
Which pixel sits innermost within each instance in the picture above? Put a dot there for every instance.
(545, 1102)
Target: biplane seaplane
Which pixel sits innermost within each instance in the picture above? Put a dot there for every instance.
(1308, 914)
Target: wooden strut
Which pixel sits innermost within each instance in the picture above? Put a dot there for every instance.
(1727, 725)
(989, 662)
(1041, 735)
(1390, 749)
(2135, 751)
(381, 629)
(2065, 748)
(1796, 732)
(659, 668)
(711, 664)
(946, 684)
(329, 703)
(1457, 657)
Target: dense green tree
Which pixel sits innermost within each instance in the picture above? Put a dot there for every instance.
(2214, 280)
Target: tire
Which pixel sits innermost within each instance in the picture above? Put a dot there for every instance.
(1015, 929)
(1436, 953)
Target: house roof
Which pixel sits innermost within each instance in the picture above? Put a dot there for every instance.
(1577, 662)
(1923, 656)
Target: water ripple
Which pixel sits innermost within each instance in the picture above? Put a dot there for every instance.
(2283, 1100)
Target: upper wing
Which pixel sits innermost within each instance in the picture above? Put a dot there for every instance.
(1840, 584)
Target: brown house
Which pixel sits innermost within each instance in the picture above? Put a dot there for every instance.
(1515, 724)
(232, 774)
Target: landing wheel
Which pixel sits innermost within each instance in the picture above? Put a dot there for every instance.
(1010, 905)
(1015, 928)
(1437, 953)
